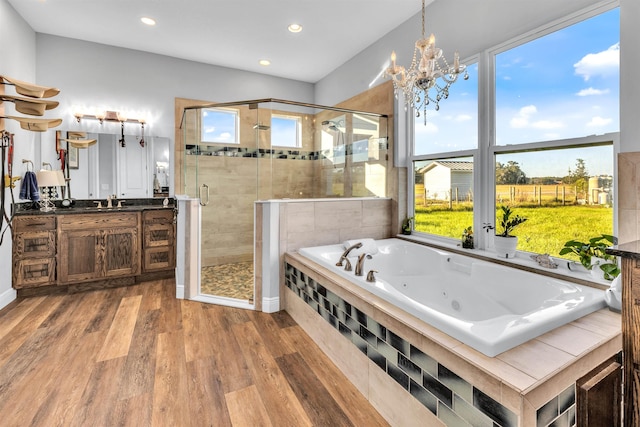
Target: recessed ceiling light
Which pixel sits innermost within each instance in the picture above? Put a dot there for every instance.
(148, 21)
(265, 62)
(295, 28)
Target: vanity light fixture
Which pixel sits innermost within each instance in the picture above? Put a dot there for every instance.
(295, 28)
(265, 62)
(100, 116)
(114, 116)
(142, 132)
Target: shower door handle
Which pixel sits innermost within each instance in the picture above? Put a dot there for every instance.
(203, 203)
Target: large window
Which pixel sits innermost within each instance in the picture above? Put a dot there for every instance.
(455, 126)
(562, 85)
(219, 125)
(285, 131)
(545, 148)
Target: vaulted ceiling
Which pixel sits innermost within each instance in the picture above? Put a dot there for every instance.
(229, 33)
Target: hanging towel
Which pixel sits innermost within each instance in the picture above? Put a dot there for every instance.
(29, 187)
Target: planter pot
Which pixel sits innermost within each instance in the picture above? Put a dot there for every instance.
(505, 246)
(613, 295)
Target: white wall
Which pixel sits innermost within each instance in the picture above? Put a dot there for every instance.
(99, 76)
(18, 60)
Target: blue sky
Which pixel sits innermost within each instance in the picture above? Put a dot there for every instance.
(562, 85)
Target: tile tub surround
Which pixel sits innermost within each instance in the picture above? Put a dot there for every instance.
(521, 380)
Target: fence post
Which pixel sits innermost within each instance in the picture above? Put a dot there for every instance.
(540, 196)
(450, 199)
(564, 194)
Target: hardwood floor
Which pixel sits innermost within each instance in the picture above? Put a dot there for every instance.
(136, 356)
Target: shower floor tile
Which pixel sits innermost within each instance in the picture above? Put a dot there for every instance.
(228, 280)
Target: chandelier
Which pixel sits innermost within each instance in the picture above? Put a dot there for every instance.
(428, 70)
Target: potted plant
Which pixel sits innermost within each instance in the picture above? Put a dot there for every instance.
(407, 225)
(504, 242)
(592, 254)
(467, 238)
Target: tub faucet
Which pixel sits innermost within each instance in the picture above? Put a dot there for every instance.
(345, 254)
(360, 263)
(370, 276)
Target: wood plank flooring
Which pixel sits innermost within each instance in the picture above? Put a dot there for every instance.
(136, 356)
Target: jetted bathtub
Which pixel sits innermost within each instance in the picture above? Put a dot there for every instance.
(489, 307)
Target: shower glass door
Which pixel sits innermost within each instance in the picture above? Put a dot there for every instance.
(222, 173)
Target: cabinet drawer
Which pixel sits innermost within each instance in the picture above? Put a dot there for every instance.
(160, 258)
(158, 217)
(30, 273)
(34, 244)
(158, 235)
(33, 223)
(98, 221)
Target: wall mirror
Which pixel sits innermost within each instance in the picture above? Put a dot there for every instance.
(107, 168)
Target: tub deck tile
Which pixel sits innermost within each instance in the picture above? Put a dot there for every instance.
(535, 358)
(571, 339)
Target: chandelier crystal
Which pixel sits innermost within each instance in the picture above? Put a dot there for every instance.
(429, 70)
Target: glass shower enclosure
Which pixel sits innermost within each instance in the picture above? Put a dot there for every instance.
(236, 153)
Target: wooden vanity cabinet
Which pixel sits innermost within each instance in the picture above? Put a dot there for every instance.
(34, 251)
(98, 246)
(159, 251)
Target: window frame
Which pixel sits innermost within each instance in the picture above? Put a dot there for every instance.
(298, 123)
(236, 116)
(484, 155)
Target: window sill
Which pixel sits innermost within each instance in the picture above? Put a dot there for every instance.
(522, 261)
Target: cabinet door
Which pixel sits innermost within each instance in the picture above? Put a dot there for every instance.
(121, 254)
(80, 256)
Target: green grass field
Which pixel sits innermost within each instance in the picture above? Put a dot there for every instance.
(546, 230)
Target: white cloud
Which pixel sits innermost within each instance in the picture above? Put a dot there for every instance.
(552, 135)
(209, 129)
(523, 120)
(591, 91)
(598, 121)
(603, 63)
(547, 124)
(225, 135)
(462, 118)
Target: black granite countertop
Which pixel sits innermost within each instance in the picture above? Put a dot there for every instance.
(90, 207)
(626, 250)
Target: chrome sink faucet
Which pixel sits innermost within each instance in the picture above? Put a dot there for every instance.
(360, 263)
(345, 254)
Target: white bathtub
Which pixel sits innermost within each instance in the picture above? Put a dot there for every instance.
(487, 306)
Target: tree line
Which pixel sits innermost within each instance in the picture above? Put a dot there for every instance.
(511, 174)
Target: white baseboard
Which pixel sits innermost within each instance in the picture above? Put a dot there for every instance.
(179, 291)
(6, 297)
(271, 305)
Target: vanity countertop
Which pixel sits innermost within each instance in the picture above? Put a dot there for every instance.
(89, 207)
